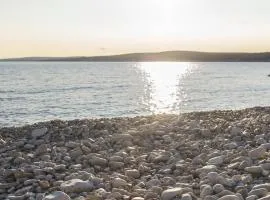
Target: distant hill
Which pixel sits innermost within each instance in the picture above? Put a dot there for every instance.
(162, 56)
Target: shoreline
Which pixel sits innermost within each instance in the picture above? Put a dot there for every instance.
(221, 154)
(206, 112)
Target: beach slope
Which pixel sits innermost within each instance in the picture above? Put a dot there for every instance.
(201, 155)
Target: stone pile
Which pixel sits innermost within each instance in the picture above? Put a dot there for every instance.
(205, 155)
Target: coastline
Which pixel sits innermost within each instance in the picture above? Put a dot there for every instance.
(206, 155)
(167, 56)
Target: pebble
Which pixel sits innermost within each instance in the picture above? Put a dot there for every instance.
(207, 155)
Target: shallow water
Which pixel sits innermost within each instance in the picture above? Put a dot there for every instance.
(39, 91)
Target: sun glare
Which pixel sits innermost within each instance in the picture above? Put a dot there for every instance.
(163, 78)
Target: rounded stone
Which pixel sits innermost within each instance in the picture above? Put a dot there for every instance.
(217, 188)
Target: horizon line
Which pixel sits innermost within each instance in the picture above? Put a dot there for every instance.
(134, 53)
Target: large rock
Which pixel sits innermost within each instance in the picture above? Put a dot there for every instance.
(58, 195)
(77, 186)
(37, 133)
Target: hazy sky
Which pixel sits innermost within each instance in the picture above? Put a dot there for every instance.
(94, 27)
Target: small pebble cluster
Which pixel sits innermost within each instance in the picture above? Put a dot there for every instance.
(204, 155)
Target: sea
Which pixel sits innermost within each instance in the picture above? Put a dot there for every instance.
(32, 92)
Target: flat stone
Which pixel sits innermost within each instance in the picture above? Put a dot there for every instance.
(7, 185)
(230, 146)
(206, 169)
(171, 193)
(37, 133)
(58, 195)
(159, 156)
(133, 173)
(229, 197)
(116, 165)
(29, 146)
(20, 197)
(77, 186)
(216, 160)
(98, 161)
(254, 169)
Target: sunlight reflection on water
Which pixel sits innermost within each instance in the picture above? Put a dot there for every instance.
(163, 84)
(40, 91)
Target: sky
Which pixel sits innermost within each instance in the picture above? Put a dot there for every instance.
(104, 27)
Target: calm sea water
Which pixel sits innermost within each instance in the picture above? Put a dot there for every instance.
(39, 91)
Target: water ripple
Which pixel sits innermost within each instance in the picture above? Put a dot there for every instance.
(44, 91)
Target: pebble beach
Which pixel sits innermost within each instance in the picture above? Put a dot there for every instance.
(200, 155)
